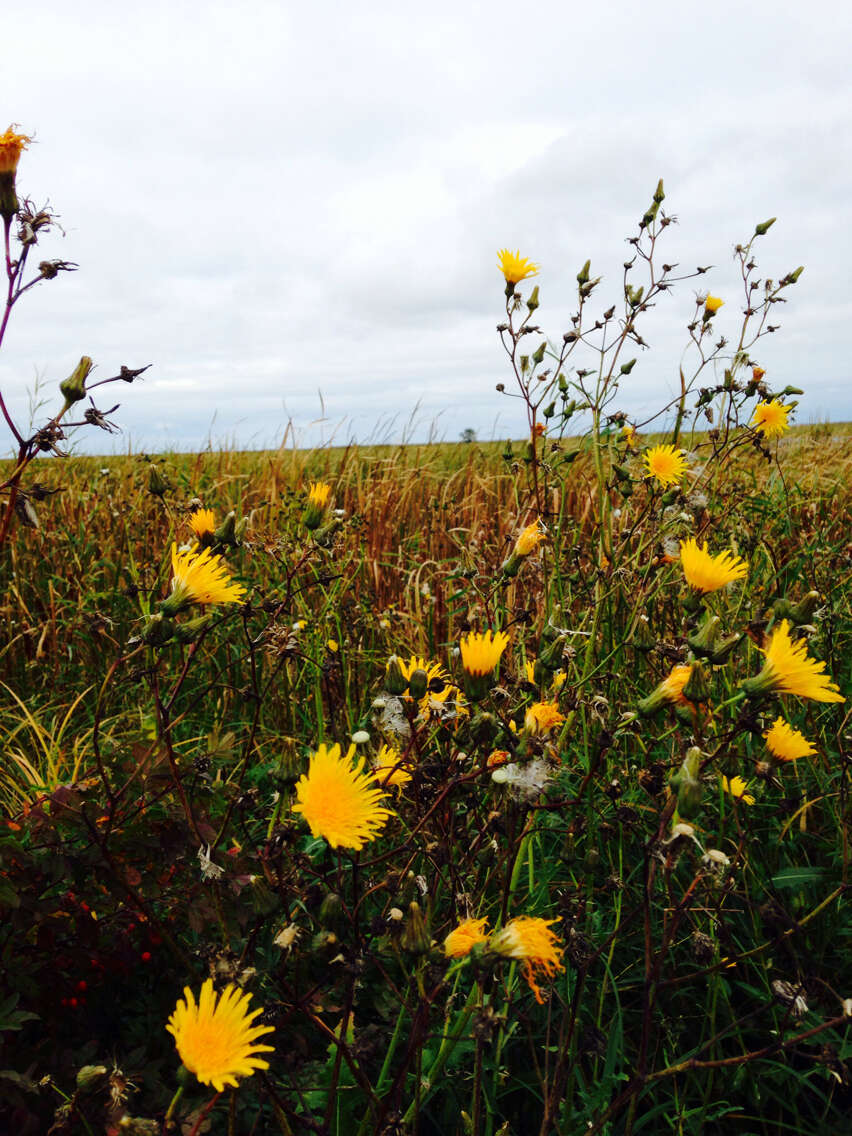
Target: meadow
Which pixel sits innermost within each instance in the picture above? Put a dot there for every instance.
(484, 790)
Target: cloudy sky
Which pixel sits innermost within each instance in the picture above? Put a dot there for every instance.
(292, 211)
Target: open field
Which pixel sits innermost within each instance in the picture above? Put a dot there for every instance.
(693, 973)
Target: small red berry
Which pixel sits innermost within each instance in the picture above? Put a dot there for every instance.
(146, 956)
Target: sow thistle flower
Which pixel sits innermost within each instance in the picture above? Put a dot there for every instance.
(527, 543)
(389, 769)
(318, 495)
(215, 1038)
(202, 522)
(666, 463)
(770, 418)
(339, 802)
(466, 936)
(736, 788)
(542, 717)
(199, 577)
(787, 744)
(708, 573)
(669, 690)
(712, 305)
(515, 267)
(531, 941)
(480, 654)
(11, 147)
(790, 670)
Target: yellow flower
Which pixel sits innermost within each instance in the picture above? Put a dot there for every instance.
(712, 305)
(11, 145)
(202, 522)
(770, 418)
(529, 671)
(215, 1038)
(433, 671)
(199, 577)
(530, 940)
(666, 463)
(389, 769)
(339, 802)
(515, 267)
(669, 690)
(542, 717)
(446, 705)
(736, 787)
(708, 573)
(461, 941)
(481, 653)
(787, 744)
(628, 433)
(789, 670)
(530, 539)
(318, 494)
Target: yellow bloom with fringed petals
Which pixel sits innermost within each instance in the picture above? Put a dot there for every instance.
(531, 941)
(708, 573)
(736, 788)
(787, 744)
(666, 463)
(790, 670)
(318, 494)
(339, 802)
(480, 653)
(770, 418)
(461, 942)
(542, 717)
(515, 267)
(11, 146)
(389, 769)
(434, 671)
(216, 1039)
(712, 305)
(202, 522)
(530, 538)
(199, 577)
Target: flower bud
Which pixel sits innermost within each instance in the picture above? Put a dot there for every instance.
(415, 937)
(189, 631)
(158, 630)
(687, 785)
(11, 145)
(91, 1077)
(697, 688)
(74, 387)
(224, 534)
(532, 302)
(157, 484)
(395, 680)
(643, 638)
(418, 684)
(331, 913)
(763, 228)
(701, 641)
(583, 274)
(538, 354)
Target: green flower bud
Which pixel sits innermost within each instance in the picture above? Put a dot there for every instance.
(74, 387)
(763, 228)
(331, 913)
(538, 354)
(189, 631)
(626, 368)
(697, 688)
(224, 534)
(418, 683)
(532, 302)
(415, 937)
(91, 1077)
(701, 640)
(583, 274)
(395, 680)
(157, 484)
(724, 648)
(158, 630)
(643, 638)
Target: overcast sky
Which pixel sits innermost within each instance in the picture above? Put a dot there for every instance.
(272, 200)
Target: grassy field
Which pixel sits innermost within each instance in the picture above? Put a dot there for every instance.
(693, 972)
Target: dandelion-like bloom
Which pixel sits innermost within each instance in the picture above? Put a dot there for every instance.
(736, 788)
(318, 494)
(542, 717)
(790, 670)
(11, 146)
(712, 305)
(530, 539)
(202, 522)
(666, 463)
(215, 1038)
(433, 671)
(530, 940)
(481, 653)
(465, 937)
(628, 433)
(389, 769)
(339, 802)
(669, 690)
(515, 267)
(787, 744)
(770, 418)
(199, 577)
(708, 573)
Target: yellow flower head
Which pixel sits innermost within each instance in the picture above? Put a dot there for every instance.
(215, 1038)
(712, 305)
(389, 769)
(200, 577)
(445, 705)
(339, 802)
(628, 433)
(542, 717)
(481, 653)
(515, 267)
(530, 940)
(770, 418)
(672, 686)
(202, 522)
(666, 463)
(11, 145)
(433, 671)
(530, 538)
(787, 744)
(318, 494)
(736, 788)
(461, 941)
(708, 573)
(790, 670)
